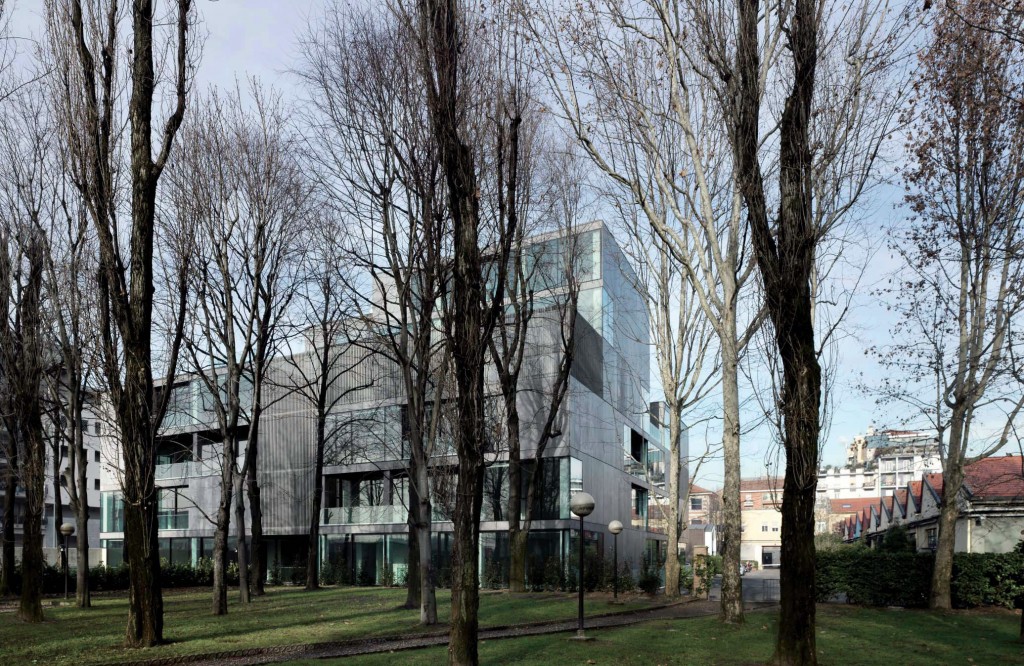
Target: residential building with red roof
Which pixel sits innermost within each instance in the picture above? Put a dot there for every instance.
(704, 515)
(761, 520)
(991, 504)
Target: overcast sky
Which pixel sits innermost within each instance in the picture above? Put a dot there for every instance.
(260, 38)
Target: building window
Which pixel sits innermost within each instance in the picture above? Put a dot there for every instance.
(96, 484)
(748, 501)
(64, 451)
(764, 528)
(96, 456)
(932, 536)
(775, 528)
(696, 504)
(112, 512)
(172, 513)
(96, 428)
(639, 507)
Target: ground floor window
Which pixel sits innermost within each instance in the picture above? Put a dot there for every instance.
(367, 559)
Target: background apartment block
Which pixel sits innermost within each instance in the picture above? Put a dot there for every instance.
(55, 466)
(613, 444)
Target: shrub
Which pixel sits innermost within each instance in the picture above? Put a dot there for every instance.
(554, 574)
(706, 568)
(897, 540)
(626, 582)
(535, 573)
(648, 581)
(988, 579)
(366, 577)
(686, 578)
(492, 578)
(875, 578)
(387, 574)
(298, 571)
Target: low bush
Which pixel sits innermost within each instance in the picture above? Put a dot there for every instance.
(878, 578)
(648, 581)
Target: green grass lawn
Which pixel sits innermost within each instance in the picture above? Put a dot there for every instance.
(285, 616)
(846, 635)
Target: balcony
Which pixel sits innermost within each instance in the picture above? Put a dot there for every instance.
(182, 470)
(172, 520)
(365, 515)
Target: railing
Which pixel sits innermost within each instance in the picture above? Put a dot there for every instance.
(364, 515)
(177, 520)
(634, 467)
(183, 470)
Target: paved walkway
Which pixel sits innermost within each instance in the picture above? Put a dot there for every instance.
(269, 655)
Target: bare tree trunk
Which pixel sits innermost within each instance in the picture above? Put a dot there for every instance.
(220, 533)
(732, 590)
(145, 599)
(313, 546)
(940, 597)
(428, 599)
(30, 608)
(240, 539)
(413, 582)
(517, 536)
(462, 644)
(83, 596)
(672, 561)
(10, 485)
(58, 505)
(796, 642)
(257, 552)
(27, 387)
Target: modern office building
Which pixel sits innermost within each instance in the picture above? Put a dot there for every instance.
(612, 444)
(55, 484)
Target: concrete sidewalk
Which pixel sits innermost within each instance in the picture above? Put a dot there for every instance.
(269, 655)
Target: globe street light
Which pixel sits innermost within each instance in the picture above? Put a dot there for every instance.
(615, 527)
(582, 504)
(67, 529)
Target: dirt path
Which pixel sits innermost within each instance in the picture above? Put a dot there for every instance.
(282, 653)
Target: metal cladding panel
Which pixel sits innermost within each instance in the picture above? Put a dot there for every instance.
(286, 464)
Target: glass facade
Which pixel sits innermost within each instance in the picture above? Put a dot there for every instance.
(369, 435)
(111, 512)
(638, 511)
(370, 559)
(172, 513)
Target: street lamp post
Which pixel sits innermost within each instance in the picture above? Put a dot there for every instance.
(67, 529)
(615, 527)
(582, 504)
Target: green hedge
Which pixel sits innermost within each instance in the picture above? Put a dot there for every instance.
(116, 578)
(875, 578)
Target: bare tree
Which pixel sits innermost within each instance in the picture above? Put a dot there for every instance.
(687, 366)
(686, 78)
(476, 99)
(22, 333)
(371, 140)
(238, 183)
(85, 39)
(71, 265)
(953, 359)
(326, 374)
(648, 119)
(541, 298)
(823, 146)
